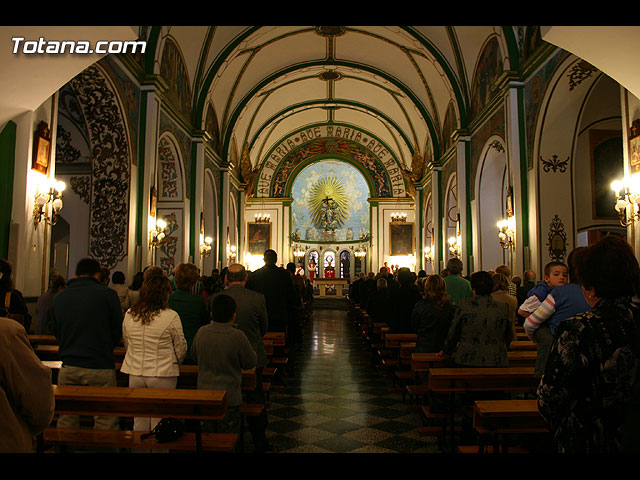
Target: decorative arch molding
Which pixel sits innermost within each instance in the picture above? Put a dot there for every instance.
(110, 150)
(491, 181)
(352, 144)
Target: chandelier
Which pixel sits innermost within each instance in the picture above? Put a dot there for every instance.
(157, 235)
(205, 247)
(262, 217)
(428, 254)
(298, 251)
(399, 217)
(455, 246)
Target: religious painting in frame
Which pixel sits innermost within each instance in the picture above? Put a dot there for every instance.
(634, 148)
(41, 149)
(401, 238)
(258, 237)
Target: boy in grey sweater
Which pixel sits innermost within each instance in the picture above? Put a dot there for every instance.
(222, 352)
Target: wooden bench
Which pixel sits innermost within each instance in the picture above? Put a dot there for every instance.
(495, 419)
(138, 402)
(522, 345)
(458, 380)
(51, 352)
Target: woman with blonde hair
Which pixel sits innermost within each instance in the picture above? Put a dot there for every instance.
(154, 341)
(431, 316)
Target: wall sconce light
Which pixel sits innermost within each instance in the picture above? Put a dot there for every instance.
(231, 254)
(627, 193)
(506, 230)
(399, 217)
(428, 257)
(205, 247)
(42, 200)
(455, 246)
(262, 217)
(157, 234)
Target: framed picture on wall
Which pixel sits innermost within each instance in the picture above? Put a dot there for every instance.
(41, 149)
(258, 237)
(401, 238)
(634, 154)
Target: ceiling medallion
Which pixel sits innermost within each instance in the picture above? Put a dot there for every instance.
(329, 75)
(330, 31)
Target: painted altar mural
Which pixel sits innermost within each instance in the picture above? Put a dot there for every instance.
(330, 203)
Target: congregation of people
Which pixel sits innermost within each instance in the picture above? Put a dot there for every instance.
(582, 317)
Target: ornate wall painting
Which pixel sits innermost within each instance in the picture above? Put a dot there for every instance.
(401, 238)
(169, 174)
(330, 203)
(557, 240)
(258, 237)
(487, 71)
(169, 253)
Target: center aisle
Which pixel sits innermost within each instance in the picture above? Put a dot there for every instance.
(338, 402)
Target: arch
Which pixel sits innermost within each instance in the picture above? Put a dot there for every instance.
(345, 264)
(346, 142)
(487, 70)
(110, 154)
(173, 70)
(491, 185)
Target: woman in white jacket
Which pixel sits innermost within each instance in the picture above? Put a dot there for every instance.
(154, 342)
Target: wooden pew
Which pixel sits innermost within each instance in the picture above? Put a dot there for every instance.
(522, 345)
(138, 402)
(458, 380)
(51, 352)
(422, 362)
(499, 418)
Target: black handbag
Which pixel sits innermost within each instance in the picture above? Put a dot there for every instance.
(167, 430)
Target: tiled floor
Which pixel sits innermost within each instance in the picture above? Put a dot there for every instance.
(338, 402)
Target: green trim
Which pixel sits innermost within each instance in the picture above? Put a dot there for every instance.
(441, 240)
(469, 223)
(524, 197)
(195, 234)
(141, 165)
(7, 170)
(152, 45)
(512, 47)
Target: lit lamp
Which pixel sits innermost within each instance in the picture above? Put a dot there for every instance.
(505, 232)
(399, 217)
(262, 217)
(360, 252)
(627, 193)
(455, 247)
(428, 257)
(298, 251)
(51, 197)
(231, 253)
(205, 247)
(157, 234)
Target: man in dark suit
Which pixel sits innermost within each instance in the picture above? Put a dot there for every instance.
(252, 319)
(276, 286)
(282, 301)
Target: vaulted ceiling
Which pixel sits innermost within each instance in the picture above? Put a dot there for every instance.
(394, 82)
(265, 82)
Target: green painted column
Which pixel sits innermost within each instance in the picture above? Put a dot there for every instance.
(7, 160)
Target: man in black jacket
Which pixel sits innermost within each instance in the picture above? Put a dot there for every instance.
(86, 319)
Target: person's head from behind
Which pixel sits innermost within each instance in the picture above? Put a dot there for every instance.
(405, 276)
(481, 283)
(529, 276)
(57, 283)
(500, 282)
(223, 309)
(384, 271)
(454, 266)
(6, 282)
(435, 290)
(236, 273)
(270, 257)
(517, 281)
(381, 283)
(185, 276)
(118, 278)
(291, 267)
(609, 269)
(154, 297)
(88, 267)
(505, 270)
(556, 273)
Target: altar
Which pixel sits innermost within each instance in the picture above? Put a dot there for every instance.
(323, 283)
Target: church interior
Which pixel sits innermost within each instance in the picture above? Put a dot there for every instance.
(342, 148)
